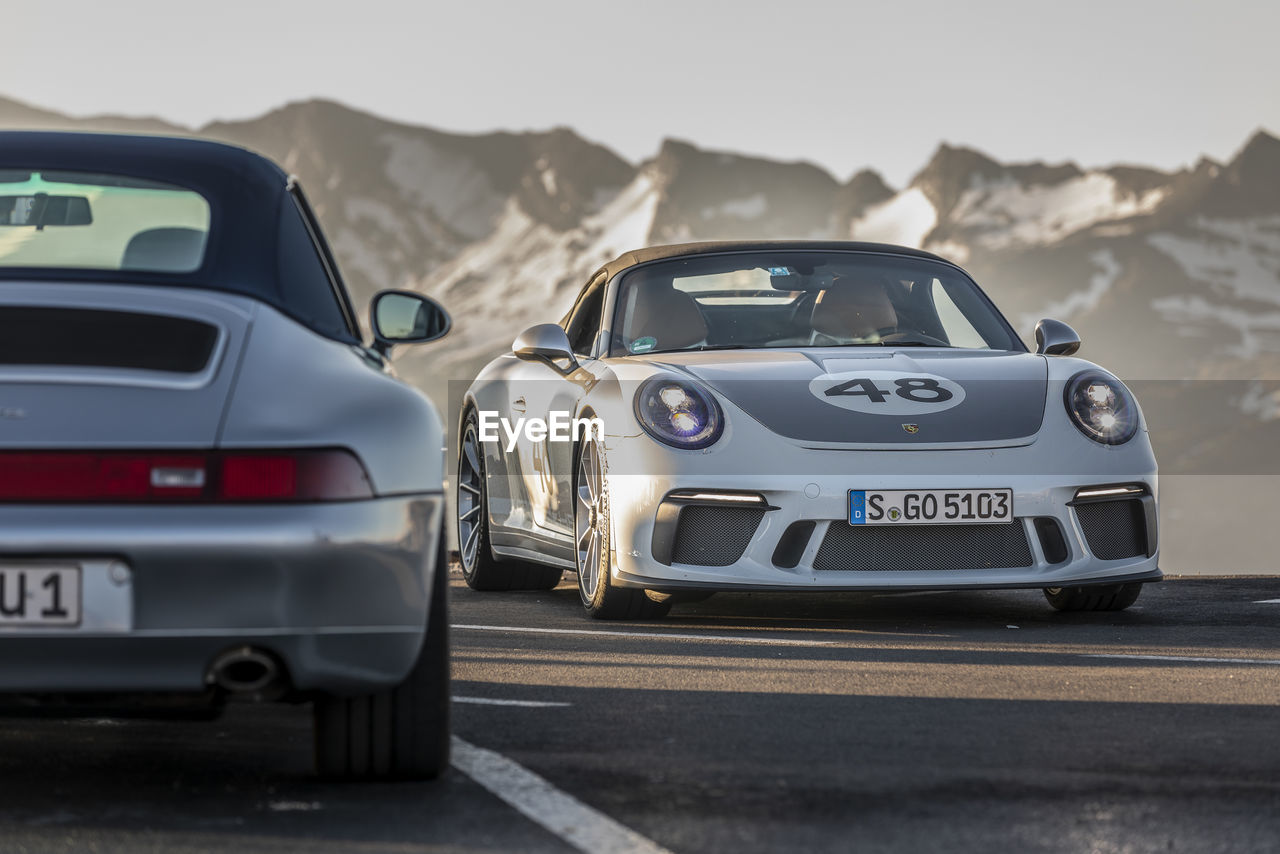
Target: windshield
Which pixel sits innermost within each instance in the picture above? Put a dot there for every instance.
(803, 299)
(59, 219)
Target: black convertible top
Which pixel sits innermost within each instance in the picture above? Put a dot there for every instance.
(252, 246)
(658, 253)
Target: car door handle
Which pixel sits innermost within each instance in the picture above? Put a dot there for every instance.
(518, 404)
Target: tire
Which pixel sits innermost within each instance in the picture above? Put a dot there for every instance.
(480, 569)
(401, 733)
(1111, 597)
(593, 551)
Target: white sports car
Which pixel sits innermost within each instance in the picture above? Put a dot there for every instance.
(800, 416)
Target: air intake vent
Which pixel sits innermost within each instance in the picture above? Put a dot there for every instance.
(102, 338)
(713, 535)
(884, 548)
(1114, 529)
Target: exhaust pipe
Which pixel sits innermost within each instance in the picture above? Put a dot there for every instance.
(245, 670)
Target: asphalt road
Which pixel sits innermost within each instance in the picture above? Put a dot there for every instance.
(925, 722)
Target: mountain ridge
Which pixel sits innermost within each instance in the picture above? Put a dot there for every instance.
(1171, 277)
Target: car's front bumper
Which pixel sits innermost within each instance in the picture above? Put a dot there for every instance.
(812, 561)
(338, 592)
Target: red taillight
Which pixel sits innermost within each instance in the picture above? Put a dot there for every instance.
(57, 476)
(259, 478)
(296, 476)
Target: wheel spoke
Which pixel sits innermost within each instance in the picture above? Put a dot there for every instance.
(590, 565)
(469, 451)
(469, 488)
(469, 549)
(470, 514)
(589, 472)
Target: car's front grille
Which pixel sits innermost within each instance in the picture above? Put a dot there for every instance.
(714, 536)
(1114, 529)
(891, 548)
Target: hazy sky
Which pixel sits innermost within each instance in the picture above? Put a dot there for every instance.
(845, 85)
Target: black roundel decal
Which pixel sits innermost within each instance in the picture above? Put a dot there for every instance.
(887, 392)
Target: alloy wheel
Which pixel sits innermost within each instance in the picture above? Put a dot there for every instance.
(589, 521)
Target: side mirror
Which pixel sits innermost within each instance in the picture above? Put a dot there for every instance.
(404, 317)
(546, 341)
(1055, 338)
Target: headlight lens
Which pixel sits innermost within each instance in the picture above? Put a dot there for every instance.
(1102, 408)
(678, 412)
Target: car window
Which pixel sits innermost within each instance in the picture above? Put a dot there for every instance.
(584, 320)
(82, 220)
(802, 298)
(309, 279)
(957, 329)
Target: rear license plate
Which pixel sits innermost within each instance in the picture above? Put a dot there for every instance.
(39, 596)
(930, 506)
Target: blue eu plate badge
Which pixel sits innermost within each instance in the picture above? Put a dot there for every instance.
(857, 507)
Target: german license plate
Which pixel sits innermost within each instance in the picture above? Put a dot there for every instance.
(39, 596)
(930, 506)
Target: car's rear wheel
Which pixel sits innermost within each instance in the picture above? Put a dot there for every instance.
(1110, 597)
(401, 733)
(480, 569)
(592, 530)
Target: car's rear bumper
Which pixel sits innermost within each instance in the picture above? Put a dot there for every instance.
(338, 593)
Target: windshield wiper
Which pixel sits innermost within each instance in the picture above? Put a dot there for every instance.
(725, 347)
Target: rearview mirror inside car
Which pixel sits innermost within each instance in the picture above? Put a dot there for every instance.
(42, 209)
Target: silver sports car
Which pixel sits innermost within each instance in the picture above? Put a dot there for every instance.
(800, 416)
(210, 487)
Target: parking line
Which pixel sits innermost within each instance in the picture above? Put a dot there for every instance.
(1267, 602)
(567, 817)
(1190, 658)
(528, 704)
(657, 635)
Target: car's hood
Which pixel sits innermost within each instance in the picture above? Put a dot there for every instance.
(879, 396)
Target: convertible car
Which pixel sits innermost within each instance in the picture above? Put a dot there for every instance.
(800, 416)
(210, 486)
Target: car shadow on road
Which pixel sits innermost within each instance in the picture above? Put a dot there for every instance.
(242, 783)
(1201, 614)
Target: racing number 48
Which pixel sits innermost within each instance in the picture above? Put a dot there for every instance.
(915, 389)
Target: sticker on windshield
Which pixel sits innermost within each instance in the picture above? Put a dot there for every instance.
(779, 271)
(644, 345)
(887, 392)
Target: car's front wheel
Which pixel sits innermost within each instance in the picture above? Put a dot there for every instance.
(593, 531)
(1110, 597)
(480, 569)
(401, 733)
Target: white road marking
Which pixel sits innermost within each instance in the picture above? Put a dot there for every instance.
(658, 635)
(528, 704)
(1267, 602)
(1191, 658)
(559, 812)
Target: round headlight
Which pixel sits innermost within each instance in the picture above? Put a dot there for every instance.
(678, 412)
(1102, 408)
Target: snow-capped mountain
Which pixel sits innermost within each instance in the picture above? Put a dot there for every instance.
(1167, 275)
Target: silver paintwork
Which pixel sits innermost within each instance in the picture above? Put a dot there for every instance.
(532, 490)
(544, 341)
(339, 591)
